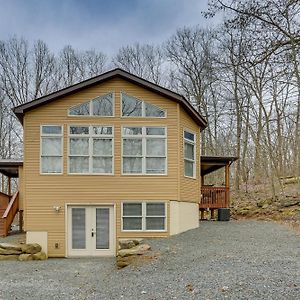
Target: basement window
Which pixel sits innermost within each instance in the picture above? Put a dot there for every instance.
(144, 216)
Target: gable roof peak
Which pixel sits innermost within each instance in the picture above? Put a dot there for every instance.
(117, 72)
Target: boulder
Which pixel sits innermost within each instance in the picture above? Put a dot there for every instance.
(4, 251)
(31, 248)
(137, 250)
(39, 256)
(126, 244)
(9, 257)
(122, 263)
(26, 257)
(8, 246)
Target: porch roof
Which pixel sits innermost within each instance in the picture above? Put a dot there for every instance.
(210, 164)
(10, 167)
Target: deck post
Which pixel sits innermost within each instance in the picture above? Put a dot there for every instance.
(3, 183)
(21, 220)
(227, 184)
(9, 186)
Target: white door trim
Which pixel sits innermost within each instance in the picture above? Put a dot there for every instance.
(112, 250)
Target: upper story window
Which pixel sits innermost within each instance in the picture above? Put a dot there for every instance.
(91, 149)
(189, 154)
(144, 150)
(51, 149)
(102, 106)
(133, 107)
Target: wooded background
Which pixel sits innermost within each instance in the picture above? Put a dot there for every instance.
(242, 75)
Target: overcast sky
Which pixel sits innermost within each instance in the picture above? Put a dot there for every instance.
(104, 25)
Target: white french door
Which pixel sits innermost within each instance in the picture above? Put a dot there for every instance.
(91, 231)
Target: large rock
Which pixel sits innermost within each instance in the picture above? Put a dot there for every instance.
(39, 256)
(31, 248)
(122, 262)
(126, 244)
(4, 251)
(137, 250)
(25, 257)
(9, 257)
(8, 246)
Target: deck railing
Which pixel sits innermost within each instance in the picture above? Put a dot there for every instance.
(214, 197)
(9, 214)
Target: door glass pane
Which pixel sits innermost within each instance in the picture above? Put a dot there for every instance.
(78, 228)
(102, 228)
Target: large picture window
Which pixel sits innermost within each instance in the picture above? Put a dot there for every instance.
(51, 149)
(102, 106)
(189, 154)
(144, 150)
(91, 149)
(144, 216)
(133, 107)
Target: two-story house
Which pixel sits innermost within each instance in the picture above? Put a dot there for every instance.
(111, 157)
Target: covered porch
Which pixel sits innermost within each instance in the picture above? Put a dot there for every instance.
(9, 194)
(214, 197)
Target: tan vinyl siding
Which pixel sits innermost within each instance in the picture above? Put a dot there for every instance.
(189, 187)
(42, 192)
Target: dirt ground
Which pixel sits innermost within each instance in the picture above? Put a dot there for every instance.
(257, 203)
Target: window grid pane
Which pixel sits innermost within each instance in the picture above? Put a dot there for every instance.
(145, 154)
(51, 149)
(92, 153)
(144, 216)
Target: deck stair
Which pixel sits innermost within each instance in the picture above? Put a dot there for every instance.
(9, 207)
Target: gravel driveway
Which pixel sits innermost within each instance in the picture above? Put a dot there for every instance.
(230, 260)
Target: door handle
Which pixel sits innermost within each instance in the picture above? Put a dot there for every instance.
(93, 232)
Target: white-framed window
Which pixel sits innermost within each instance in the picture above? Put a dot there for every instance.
(144, 150)
(189, 151)
(144, 216)
(91, 149)
(102, 106)
(133, 107)
(51, 149)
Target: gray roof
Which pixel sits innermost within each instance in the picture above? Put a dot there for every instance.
(200, 120)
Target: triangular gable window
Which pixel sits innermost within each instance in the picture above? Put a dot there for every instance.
(102, 106)
(133, 107)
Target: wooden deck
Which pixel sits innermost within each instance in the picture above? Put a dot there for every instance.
(214, 197)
